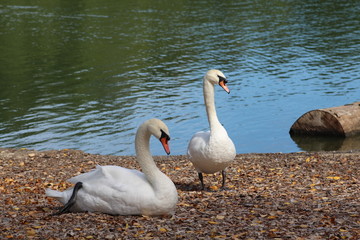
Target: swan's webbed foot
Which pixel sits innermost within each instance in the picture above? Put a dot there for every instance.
(201, 180)
(71, 201)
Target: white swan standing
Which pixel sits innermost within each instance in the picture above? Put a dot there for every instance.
(121, 191)
(212, 151)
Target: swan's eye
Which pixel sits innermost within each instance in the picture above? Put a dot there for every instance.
(164, 135)
(222, 79)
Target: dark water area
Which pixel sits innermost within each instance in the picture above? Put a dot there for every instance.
(86, 74)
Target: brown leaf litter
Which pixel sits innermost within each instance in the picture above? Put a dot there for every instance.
(269, 196)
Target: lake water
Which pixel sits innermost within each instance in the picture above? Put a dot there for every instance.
(86, 74)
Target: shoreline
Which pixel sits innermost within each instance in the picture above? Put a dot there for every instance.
(10, 149)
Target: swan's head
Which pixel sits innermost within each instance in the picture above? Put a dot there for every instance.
(217, 77)
(158, 129)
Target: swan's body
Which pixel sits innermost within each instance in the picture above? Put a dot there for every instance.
(121, 191)
(212, 151)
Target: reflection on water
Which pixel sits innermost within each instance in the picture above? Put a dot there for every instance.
(327, 143)
(84, 75)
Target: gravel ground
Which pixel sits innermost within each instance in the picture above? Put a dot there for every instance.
(269, 196)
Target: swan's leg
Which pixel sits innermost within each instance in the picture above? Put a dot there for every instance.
(223, 173)
(201, 180)
(71, 201)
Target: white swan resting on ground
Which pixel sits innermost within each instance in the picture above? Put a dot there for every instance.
(212, 151)
(121, 191)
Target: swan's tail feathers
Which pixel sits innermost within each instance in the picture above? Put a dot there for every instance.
(60, 196)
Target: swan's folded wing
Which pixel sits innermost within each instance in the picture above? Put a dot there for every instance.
(115, 173)
(113, 176)
(113, 189)
(198, 143)
(93, 174)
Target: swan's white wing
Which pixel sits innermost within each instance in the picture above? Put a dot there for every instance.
(94, 173)
(197, 150)
(117, 178)
(109, 173)
(198, 144)
(114, 190)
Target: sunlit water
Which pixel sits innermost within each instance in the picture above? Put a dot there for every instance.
(85, 75)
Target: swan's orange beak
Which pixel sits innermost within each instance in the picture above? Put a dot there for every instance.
(224, 86)
(165, 142)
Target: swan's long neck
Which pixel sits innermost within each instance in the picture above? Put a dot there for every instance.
(209, 99)
(144, 158)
